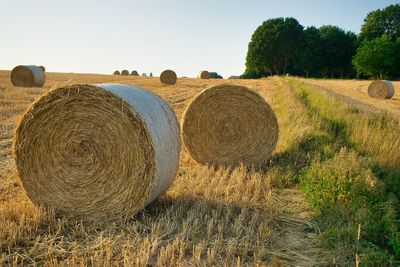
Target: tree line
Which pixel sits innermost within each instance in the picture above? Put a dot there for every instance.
(282, 45)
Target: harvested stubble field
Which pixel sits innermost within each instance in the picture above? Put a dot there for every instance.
(358, 90)
(286, 214)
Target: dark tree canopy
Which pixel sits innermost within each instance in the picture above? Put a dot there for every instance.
(273, 45)
(310, 53)
(281, 45)
(338, 48)
(378, 58)
(382, 22)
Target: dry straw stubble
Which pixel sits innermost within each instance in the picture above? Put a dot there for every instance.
(28, 76)
(381, 89)
(97, 152)
(229, 125)
(168, 77)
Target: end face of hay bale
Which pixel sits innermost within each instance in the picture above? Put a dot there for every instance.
(204, 74)
(134, 73)
(381, 89)
(168, 77)
(229, 125)
(97, 152)
(27, 76)
(125, 73)
(116, 72)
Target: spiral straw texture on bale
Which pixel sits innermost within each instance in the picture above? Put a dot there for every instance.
(97, 152)
(117, 72)
(168, 77)
(125, 72)
(204, 74)
(229, 125)
(381, 89)
(28, 76)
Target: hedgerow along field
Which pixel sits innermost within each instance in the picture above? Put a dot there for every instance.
(328, 196)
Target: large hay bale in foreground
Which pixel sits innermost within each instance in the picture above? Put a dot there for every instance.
(125, 73)
(97, 152)
(229, 125)
(168, 77)
(134, 73)
(27, 76)
(117, 72)
(204, 74)
(381, 89)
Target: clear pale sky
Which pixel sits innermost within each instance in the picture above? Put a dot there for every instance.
(99, 36)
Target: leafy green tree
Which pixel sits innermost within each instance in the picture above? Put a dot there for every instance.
(337, 50)
(310, 53)
(378, 58)
(273, 46)
(380, 22)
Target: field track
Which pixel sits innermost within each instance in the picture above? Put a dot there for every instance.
(357, 91)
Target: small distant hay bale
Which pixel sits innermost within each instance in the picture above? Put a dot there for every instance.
(381, 89)
(204, 74)
(144, 74)
(27, 76)
(125, 73)
(229, 125)
(134, 73)
(97, 152)
(214, 75)
(151, 74)
(43, 68)
(168, 77)
(117, 72)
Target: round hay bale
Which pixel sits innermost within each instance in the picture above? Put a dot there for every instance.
(97, 152)
(381, 89)
(43, 68)
(229, 125)
(27, 76)
(134, 73)
(144, 74)
(117, 72)
(125, 73)
(204, 74)
(168, 77)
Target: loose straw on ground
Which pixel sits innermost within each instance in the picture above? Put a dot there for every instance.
(229, 125)
(28, 76)
(168, 77)
(97, 152)
(381, 89)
